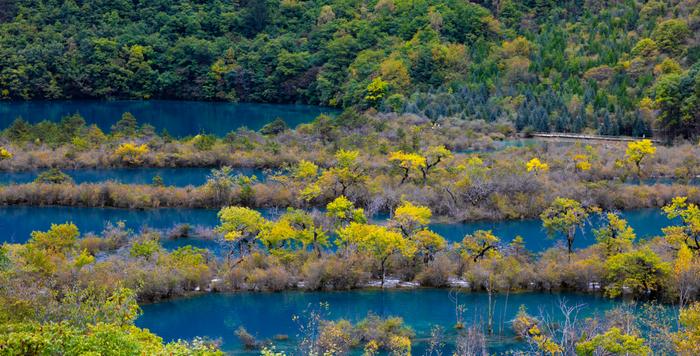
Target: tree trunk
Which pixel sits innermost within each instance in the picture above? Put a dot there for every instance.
(490, 321)
(405, 176)
(383, 270)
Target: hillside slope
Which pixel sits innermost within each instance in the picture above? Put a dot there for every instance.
(614, 67)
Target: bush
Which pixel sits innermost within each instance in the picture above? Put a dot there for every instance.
(247, 339)
(274, 278)
(437, 273)
(332, 273)
(275, 127)
(53, 176)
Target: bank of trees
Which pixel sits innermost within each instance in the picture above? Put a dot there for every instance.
(522, 62)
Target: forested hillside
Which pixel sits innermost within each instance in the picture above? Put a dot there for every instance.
(610, 67)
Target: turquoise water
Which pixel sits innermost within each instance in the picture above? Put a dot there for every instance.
(180, 118)
(179, 177)
(265, 315)
(662, 180)
(647, 222)
(94, 219)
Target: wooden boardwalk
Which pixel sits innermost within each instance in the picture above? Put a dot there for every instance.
(571, 136)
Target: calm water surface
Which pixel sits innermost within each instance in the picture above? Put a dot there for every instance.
(17, 222)
(265, 315)
(179, 177)
(180, 118)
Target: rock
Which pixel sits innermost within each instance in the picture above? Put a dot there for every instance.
(388, 283)
(409, 284)
(457, 282)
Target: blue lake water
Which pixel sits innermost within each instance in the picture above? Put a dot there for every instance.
(180, 118)
(17, 222)
(265, 315)
(179, 177)
(646, 223)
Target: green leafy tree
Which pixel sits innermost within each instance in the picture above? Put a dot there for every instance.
(615, 236)
(376, 91)
(306, 230)
(613, 342)
(53, 176)
(481, 244)
(670, 35)
(240, 227)
(640, 271)
(564, 216)
(689, 232)
(220, 183)
(346, 173)
(59, 238)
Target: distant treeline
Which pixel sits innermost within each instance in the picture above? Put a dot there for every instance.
(580, 65)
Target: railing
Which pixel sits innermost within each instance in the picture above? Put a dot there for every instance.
(571, 136)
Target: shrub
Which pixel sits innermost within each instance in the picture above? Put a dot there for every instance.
(247, 339)
(5, 154)
(333, 272)
(53, 176)
(437, 273)
(274, 278)
(275, 127)
(131, 154)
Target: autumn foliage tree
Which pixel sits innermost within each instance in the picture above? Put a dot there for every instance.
(240, 227)
(641, 271)
(564, 216)
(615, 235)
(408, 163)
(637, 151)
(377, 241)
(689, 232)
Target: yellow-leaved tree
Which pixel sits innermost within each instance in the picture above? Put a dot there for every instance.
(346, 173)
(433, 156)
(536, 166)
(408, 162)
(410, 218)
(377, 241)
(637, 151)
(688, 233)
(240, 227)
(687, 339)
(480, 244)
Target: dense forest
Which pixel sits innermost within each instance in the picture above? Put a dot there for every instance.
(609, 67)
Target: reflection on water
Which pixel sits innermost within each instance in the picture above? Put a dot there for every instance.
(179, 177)
(179, 118)
(646, 223)
(265, 315)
